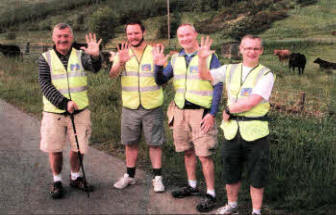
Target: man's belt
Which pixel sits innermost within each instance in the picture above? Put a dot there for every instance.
(244, 118)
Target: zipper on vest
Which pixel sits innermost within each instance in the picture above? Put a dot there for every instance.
(139, 68)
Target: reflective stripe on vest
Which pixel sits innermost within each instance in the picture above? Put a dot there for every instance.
(70, 82)
(138, 83)
(188, 85)
(237, 89)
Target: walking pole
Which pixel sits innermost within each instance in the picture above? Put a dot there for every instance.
(80, 158)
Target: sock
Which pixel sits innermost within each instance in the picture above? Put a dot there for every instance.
(57, 177)
(211, 193)
(74, 175)
(233, 204)
(131, 171)
(157, 172)
(256, 211)
(192, 183)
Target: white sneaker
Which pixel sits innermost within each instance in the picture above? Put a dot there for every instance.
(157, 184)
(124, 182)
(227, 210)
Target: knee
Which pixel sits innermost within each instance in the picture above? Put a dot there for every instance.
(189, 153)
(205, 160)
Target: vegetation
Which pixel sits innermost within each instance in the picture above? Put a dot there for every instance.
(303, 163)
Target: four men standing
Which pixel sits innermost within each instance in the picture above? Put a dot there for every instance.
(198, 82)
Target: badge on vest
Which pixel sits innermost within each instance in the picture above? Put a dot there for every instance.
(193, 69)
(74, 67)
(146, 67)
(246, 91)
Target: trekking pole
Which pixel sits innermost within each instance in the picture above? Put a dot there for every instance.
(80, 158)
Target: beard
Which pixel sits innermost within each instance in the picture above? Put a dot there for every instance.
(139, 44)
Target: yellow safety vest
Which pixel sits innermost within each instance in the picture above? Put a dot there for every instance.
(70, 82)
(250, 130)
(138, 83)
(188, 85)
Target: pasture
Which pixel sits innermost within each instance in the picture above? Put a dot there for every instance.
(303, 162)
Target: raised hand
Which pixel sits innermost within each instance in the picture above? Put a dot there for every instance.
(204, 50)
(123, 53)
(93, 45)
(158, 56)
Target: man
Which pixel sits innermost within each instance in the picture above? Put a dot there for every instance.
(142, 99)
(192, 113)
(63, 83)
(245, 126)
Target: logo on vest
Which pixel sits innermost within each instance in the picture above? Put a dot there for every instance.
(74, 67)
(193, 69)
(246, 91)
(146, 67)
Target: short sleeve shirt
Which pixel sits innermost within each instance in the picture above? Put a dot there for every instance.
(264, 85)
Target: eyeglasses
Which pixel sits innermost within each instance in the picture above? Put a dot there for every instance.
(252, 49)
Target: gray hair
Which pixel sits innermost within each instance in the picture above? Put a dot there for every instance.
(62, 26)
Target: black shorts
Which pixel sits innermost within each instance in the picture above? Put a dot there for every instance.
(238, 151)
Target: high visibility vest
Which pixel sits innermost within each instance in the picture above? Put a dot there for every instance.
(188, 85)
(250, 130)
(138, 83)
(70, 82)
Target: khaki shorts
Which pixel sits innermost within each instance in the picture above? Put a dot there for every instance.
(56, 131)
(133, 122)
(186, 125)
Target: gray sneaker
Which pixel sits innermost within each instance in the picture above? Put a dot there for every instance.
(227, 210)
(124, 182)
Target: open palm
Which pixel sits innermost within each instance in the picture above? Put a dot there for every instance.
(204, 50)
(93, 45)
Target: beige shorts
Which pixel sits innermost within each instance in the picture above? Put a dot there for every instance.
(56, 131)
(187, 133)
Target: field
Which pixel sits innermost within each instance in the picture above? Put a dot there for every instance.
(303, 162)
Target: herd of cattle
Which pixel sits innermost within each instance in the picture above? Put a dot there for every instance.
(295, 60)
(298, 60)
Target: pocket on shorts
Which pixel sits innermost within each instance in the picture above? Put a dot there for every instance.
(170, 114)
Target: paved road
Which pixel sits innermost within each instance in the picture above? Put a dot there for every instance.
(25, 178)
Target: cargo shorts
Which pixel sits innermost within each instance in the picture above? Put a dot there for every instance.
(187, 133)
(150, 121)
(57, 130)
(255, 154)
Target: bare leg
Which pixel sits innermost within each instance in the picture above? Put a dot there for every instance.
(155, 154)
(131, 155)
(208, 172)
(56, 162)
(257, 197)
(232, 191)
(190, 164)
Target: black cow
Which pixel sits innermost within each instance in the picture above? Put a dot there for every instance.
(297, 60)
(10, 50)
(325, 64)
(79, 45)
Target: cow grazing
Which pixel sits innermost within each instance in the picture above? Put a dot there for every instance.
(283, 54)
(10, 50)
(78, 45)
(325, 64)
(297, 60)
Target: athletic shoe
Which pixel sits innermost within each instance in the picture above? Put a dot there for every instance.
(80, 185)
(157, 184)
(206, 204)
(227, 210)
(57, 190)
(185, 191)
(124, 182)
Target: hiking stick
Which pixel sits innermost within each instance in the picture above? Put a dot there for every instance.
(80, 158)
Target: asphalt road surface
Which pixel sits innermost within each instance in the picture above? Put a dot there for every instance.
(25, 178)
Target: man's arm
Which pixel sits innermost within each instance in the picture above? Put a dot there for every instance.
(163, 75)
(91, 63)
(48, 89)
(116, 68)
